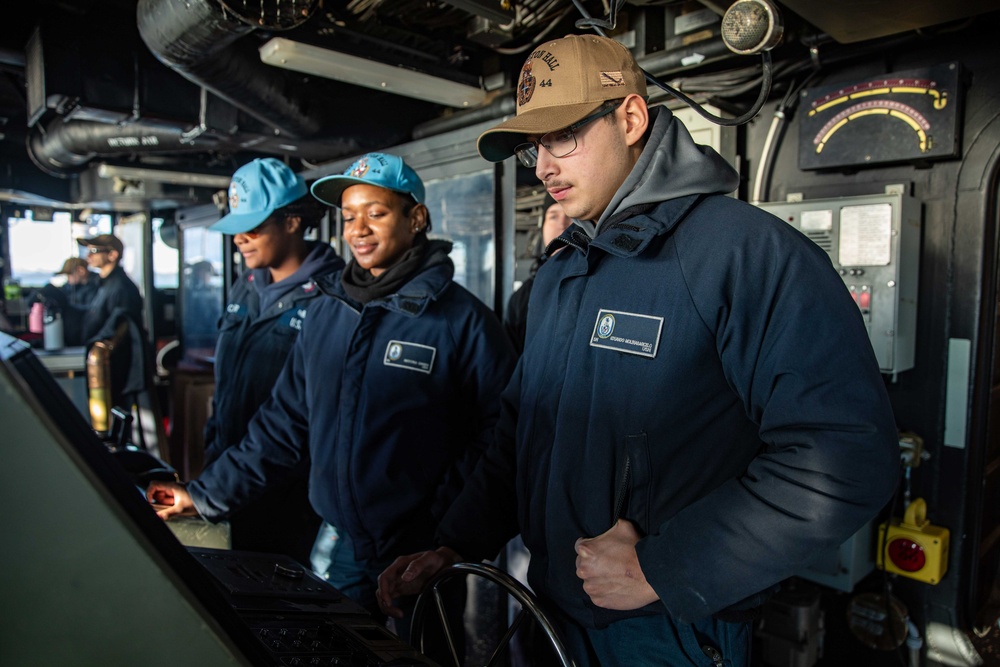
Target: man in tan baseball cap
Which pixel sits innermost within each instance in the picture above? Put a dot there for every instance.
(697, 413)
(81, 283)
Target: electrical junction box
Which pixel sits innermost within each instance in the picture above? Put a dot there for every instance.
(874, 243)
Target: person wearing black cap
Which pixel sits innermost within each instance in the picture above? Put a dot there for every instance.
(117, 292)
(698, 414)
(72, 299)
(117, 303)
(270, 210)
(391, 390)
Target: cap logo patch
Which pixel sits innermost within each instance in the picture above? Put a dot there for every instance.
(234, 197)
(360, 168)
(527, 86)
(612, 79)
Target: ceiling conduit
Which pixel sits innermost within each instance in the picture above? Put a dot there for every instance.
(199, 41)
(65, 147)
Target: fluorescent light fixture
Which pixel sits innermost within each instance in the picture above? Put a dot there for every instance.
(308, 59)
(161, 176)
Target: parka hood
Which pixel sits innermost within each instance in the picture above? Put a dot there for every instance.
(671, 166)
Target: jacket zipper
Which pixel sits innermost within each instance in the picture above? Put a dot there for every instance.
(623, 490)
(713, 654)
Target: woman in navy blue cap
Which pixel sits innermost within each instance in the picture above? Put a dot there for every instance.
(391, 391)
(269, 212)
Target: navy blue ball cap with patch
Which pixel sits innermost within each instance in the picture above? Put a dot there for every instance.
(257, 190)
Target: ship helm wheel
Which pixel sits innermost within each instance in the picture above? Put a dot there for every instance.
(530, 609)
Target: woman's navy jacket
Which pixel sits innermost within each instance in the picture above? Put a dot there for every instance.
(252, 348)
(392, 401)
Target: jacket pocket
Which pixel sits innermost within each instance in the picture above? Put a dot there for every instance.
(632, 483)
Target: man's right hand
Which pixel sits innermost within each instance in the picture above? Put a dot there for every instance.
(173, 499)
(407, 575)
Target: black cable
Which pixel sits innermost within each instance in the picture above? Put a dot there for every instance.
(765, 90)
(766, 75)
(598, 24)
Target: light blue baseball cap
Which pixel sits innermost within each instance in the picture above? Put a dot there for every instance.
(258, 189)
(381, 169)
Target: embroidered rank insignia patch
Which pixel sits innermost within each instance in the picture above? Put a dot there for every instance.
(631, 333)
(411, 356)
(612, 79)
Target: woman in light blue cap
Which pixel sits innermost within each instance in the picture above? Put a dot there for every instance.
(269, 212)
(391, 391)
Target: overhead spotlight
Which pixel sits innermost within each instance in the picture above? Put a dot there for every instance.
(752, 26)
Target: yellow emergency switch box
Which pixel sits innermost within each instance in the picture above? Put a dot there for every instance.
(913, 547)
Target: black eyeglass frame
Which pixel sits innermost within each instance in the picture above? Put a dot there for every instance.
(527, 152)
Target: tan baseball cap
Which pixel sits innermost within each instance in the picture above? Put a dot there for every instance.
(561, 82)
(71, 265)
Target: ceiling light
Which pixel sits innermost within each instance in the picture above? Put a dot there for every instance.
(308, 59)
(161, 176)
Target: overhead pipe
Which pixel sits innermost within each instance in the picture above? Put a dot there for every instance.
(66, 147)
(200, 41)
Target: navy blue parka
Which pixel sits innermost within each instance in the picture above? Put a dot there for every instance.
(393, 402)
(117, 291)
(253, 344)
(256, 333)
(696, 366)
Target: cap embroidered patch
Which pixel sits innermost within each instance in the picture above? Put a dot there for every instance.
(612, 79)
(360, 168)
(527, 86)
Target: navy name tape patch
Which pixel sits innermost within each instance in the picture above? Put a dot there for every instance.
(411, 356)
(627, 332)
(293, 318)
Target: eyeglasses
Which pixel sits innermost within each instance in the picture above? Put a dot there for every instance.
(561, 142)
(94, 250)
